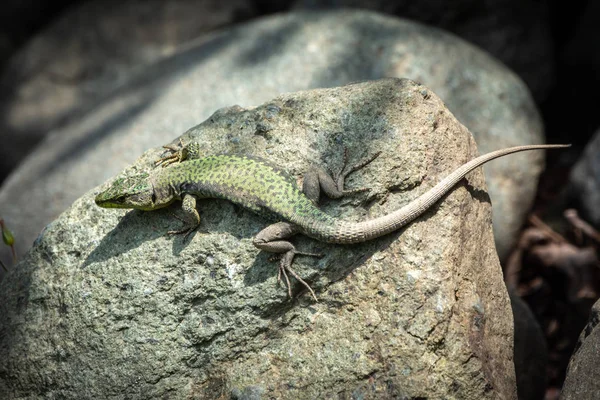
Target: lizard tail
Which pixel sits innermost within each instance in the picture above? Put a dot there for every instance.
(347, 232)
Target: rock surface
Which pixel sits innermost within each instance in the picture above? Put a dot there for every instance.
(517, 32)
(584, 182)
(531, 351)
(583, 377)
(88, 54)
(252, 63)
(107, 305)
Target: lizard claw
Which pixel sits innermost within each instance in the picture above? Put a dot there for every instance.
(186, 232)
(178, 154)
(274, 257)
(340, 176)
(285, 267)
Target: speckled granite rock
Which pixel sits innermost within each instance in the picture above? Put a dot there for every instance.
(106, 305)
(252, 63)
(517, 32)
(583, 377)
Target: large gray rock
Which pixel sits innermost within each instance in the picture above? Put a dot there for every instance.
(106, 305)
(583, 377)
(252, 63)
(531, 351)
(88, 53)
(584, 182)
(517, 32)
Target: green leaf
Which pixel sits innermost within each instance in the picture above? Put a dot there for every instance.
(7, 236)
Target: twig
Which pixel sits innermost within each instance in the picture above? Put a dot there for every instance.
(538, 223)
(574, 219)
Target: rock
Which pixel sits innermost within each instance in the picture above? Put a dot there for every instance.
(583, 378)
(531, 352)
(255, 62)
(584, 182)
(515, 32)
(20, 19)
(85, 56)
(106, 304)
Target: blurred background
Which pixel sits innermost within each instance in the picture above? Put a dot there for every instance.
(75, 74)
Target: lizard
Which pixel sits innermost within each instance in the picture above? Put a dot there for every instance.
(259, 186)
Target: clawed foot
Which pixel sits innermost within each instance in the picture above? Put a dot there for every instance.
(187, 231)
(340, 176)
(178, 154)
(285, 267)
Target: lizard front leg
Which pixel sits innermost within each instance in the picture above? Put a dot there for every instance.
(188, 205)
(179, 153)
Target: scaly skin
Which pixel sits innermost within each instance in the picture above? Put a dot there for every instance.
(265, 189)
(249, 182)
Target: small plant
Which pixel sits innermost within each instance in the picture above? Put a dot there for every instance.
(9, 240)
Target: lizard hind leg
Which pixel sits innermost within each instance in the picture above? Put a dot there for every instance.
(272, 239)
(332, 183)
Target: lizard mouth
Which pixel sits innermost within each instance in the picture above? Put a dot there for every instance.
(104, 202)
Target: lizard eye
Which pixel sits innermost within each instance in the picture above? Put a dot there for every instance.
(153, 198)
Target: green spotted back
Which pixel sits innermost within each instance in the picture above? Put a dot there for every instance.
(248, 181)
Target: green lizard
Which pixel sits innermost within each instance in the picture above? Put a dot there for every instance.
(263, 188)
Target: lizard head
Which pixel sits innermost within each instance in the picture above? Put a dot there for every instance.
(134, 191)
